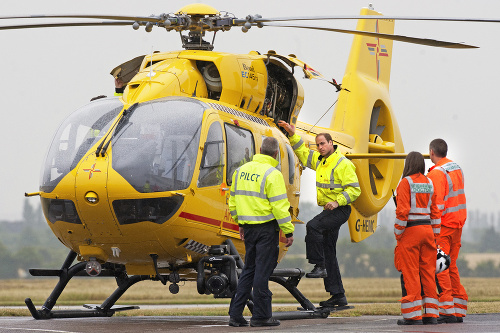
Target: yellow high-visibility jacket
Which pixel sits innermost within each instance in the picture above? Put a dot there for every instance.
(258, 194)
(336, 178)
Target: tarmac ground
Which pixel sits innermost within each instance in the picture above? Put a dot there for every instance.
(472, 323)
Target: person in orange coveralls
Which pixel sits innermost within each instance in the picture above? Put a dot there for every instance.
(417, 223)
(448, 180)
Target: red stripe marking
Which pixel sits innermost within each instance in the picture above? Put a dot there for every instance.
(215, 222)
(231, 226)
(200, 218)
(370, 44)
(208, 220)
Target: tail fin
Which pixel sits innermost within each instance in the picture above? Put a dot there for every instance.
(364, 112)
(371, 56)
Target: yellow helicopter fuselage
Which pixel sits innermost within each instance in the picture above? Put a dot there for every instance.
(149, 173)
(150, 189)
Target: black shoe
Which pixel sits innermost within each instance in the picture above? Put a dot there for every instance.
(237, 322)
(446, 319)
(317, 272)
(264, 322)
(460, 319)
(334, 301)
(429, 321)
(409, 322)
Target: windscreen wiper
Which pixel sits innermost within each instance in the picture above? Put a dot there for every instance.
(101, 149)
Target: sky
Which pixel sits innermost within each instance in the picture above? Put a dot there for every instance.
(448, 93)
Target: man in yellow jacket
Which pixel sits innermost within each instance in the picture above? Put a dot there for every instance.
(259, 204)
(337, 187)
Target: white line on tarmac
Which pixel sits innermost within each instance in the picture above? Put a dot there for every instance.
(35, 329)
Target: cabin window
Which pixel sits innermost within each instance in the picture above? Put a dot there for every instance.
(212, 161)
(240, 148)
(291, 164)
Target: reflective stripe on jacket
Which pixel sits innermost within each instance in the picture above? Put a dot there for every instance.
(336, 178)
(448, 180)
(416, 201)
(258, 194)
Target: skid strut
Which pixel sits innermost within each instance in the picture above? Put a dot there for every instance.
(106, 309)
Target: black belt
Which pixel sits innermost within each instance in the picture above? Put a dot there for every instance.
(420, 222)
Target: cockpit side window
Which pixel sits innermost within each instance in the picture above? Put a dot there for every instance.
(212, 161)
(240, 148)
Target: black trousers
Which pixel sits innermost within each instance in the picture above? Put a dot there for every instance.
(261, 258)
(321, 244)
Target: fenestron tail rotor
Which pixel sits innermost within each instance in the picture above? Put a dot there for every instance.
(375, 129)
(375, 136)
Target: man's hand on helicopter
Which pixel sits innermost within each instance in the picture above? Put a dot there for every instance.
(289, 241)
(119, 83)
(290, 129)
(331, 205)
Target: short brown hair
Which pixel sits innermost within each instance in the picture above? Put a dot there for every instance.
(439, 147)
(414, 163)
(327, 136)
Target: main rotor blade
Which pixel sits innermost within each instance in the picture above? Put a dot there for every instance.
(400, 38)
(73, 24)
(154, 19)
(374, 17)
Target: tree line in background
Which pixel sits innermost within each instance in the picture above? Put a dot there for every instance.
(30, 243)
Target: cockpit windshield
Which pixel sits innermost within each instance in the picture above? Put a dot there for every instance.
(155, 149)
(77, 134)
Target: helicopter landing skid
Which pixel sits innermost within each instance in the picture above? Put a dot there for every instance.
(319, 312)
(330, 309)
(106, 309)
(289, 279)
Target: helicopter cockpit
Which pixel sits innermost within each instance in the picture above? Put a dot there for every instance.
(156, 150)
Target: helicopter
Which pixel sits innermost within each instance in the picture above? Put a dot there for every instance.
(138, 190)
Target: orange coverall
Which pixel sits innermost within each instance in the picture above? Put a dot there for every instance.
(448, 181)
(417, 222)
